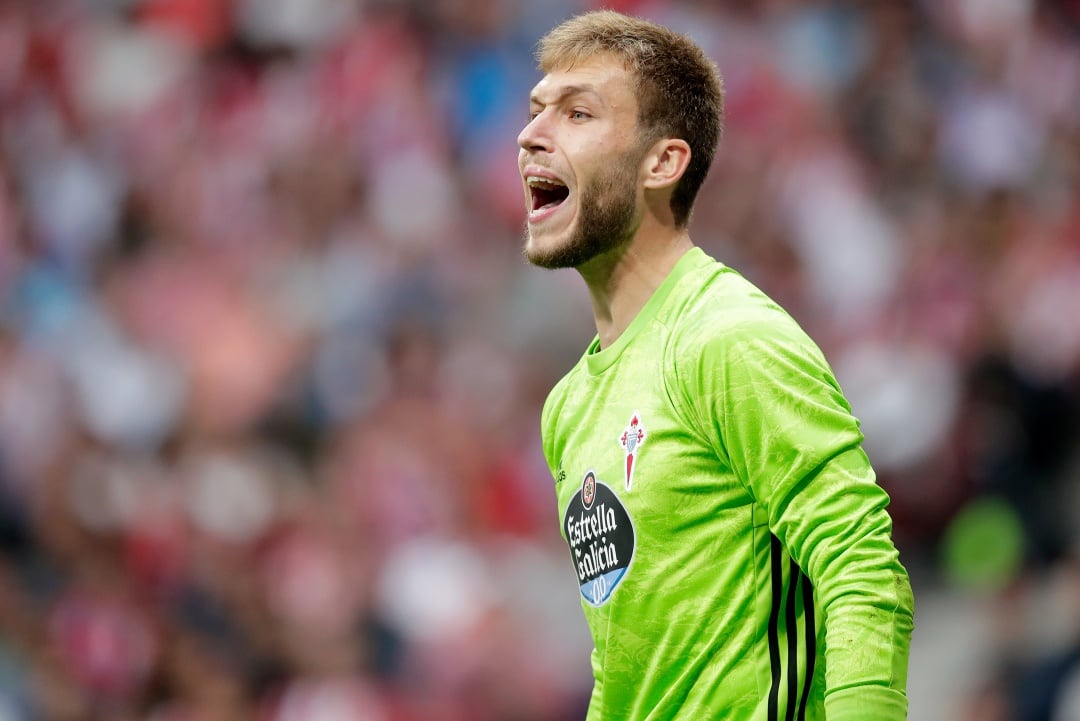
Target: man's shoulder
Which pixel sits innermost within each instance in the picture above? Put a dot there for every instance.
(720, 304)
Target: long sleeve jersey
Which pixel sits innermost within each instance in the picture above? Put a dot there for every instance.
(731, 543)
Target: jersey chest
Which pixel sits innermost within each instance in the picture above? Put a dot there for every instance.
(635, 478)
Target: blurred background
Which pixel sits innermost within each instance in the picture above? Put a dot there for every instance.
(271, 363)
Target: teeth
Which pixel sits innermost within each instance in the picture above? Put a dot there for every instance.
(536, 181)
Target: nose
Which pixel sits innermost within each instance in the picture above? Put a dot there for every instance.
(535, 136)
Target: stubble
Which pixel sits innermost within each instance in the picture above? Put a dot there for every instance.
(607, 218)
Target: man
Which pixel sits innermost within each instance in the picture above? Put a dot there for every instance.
(731, 545)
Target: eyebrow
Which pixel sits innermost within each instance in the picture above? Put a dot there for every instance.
(567, 92)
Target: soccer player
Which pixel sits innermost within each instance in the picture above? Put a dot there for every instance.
(731, 544)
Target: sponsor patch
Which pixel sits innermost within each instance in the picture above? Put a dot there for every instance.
(601, 538)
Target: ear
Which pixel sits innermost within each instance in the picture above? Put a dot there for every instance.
(666, 162)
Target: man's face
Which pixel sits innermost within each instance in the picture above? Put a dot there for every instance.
(580, 160)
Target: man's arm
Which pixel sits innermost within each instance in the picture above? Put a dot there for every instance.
(783, 425)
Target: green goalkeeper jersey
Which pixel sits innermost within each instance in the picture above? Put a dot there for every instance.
(731, 544)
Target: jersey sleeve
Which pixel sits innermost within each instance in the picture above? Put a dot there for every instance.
(772, 409)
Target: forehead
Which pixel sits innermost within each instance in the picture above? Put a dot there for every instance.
(604, 77)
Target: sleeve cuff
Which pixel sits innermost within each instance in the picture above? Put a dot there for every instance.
(866, 703)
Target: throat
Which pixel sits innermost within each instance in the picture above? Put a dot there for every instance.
(622, 281)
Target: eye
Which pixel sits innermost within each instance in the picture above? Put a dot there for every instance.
(579, 115)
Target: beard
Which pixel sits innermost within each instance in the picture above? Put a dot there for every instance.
(607, 218)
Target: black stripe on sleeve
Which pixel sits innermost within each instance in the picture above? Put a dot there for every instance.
(774, 631)
(792, 644)
(811, 642)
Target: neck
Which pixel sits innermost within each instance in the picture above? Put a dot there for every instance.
(621, 282)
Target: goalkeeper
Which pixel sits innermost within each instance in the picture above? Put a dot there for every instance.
(731, 544)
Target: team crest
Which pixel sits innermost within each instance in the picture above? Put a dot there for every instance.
(631, 440)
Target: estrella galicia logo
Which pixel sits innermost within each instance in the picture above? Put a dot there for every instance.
(601, 539)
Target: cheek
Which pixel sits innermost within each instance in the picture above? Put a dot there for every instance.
(590, 160)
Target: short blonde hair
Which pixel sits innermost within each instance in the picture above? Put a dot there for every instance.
(680, 91)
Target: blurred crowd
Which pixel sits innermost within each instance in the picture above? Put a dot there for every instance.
(271, 362)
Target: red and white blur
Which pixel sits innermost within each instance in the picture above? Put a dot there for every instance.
(271, 362)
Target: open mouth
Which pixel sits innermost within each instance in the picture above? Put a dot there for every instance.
(545, 193)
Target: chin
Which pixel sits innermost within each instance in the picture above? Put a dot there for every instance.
(568, 253)
(545, 256)
(539, 255)
(545, 248)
